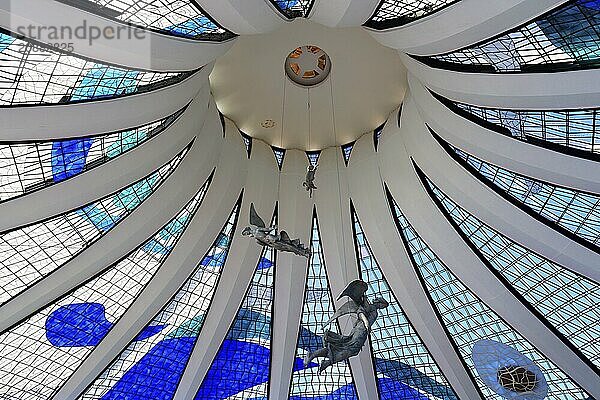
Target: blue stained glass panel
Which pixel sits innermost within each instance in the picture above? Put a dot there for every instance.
(151, 369)
(243, 362)
(41, 353)
(28, 254)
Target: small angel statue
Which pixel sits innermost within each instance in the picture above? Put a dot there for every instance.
(338, 348)
(309, 182)
(269, 237)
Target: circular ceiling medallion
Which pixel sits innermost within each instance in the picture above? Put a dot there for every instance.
(307, 65)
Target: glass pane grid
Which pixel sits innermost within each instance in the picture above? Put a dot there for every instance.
(318, 308)
(40, 354)
(30, 74)
(177, 17)
(569, 128)
(30, 253)
(294, 8)
(241, 369)
(400, 357)
(391, 13)
(151, 366)
(469, 320)
(567, 300)
(577, 212)
(28, 167)
(565, 39)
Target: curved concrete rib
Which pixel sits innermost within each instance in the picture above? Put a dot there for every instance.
(335, 223)
(295, 216)
(108, 178)
(244, 17)
(437, 232)
(462, 24)
(260, 189)
(148, 50)
(170, 197)
(369, 198)
(343, 13)
(513, 154)
(506, 218)
(193, 245)
(62, 121)
(551, 91)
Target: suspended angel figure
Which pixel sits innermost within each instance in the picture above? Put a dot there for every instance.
(338, 348)
(309, 183)
(270, 238)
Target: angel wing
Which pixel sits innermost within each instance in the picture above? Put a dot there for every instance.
(350, 307)
(255, 219)
(355, 290)
(285, 237)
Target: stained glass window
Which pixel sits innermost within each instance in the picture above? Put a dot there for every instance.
(248, 142)
(576, 212)
(377, 135)
(564, 39)
(405, 368)
(28, 254)
(393, 13)
(31, 74)
(567, 300)
(30, 166)
(336, 382)
(42, 352)
(313, 157)
(176, 17)
(294, 8)
(279, 156)
(468, 320)
(567, 131)
(347, 151)
(152, 365)
(241, 369)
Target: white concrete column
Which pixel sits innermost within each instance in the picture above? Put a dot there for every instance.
(515, 155)
(244, 17)
(154, 51)
(335, 223)
(109, 177)
(551, 90)
(369, 198)
(62, 121)
(437, 232)
(149, 217)
(462, 24)
(295, 217)
(191, 248)
(260, 189)
(343, 13)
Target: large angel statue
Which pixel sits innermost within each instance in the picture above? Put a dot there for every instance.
(309, 182)
(338, 347)
(269, 236)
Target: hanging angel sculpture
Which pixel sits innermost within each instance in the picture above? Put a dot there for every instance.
(269, 237)
(338, 348)
(309, 182)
